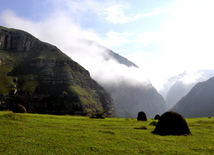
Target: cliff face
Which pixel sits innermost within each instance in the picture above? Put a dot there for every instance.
(20, 42)
(44, 80)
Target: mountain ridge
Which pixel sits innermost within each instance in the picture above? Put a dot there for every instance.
(199, 102)
(45, 80)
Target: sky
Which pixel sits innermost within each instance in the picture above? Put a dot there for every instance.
(163, 37)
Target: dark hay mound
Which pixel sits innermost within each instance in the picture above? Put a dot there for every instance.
(19, 109)
(141, 116)
(157, 117)
(172, 123)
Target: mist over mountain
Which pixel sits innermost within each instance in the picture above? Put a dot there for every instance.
(183, 83)
(176, 92)
(41, 69)
(110, 55)
(129, 99)
(130, 94)
(43, 79)
(199, 102)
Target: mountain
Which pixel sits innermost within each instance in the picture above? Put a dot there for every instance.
(43, 79)
(183, 83)
(129, 95)
(110, 55)
(129, 99)
(176, 92)
(199, 102)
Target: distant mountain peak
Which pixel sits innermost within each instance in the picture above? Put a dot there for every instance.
(112, 55)
(199, 102)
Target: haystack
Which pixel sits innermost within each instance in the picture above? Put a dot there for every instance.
(157, 117)
(141, 116)
(172, 123)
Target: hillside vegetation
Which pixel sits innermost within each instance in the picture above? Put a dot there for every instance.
(43, 79)
(49, 134)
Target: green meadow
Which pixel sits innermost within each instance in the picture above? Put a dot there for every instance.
(50, 134)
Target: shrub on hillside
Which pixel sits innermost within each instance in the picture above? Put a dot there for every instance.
(19, 109)
(98, 114)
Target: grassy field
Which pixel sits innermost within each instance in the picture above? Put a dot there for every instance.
(48, 134)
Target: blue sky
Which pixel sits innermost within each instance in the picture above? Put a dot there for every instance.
(163, 37)
(120, 19)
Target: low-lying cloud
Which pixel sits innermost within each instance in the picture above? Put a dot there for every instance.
(68, 37)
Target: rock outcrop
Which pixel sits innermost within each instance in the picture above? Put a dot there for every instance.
(20, 41)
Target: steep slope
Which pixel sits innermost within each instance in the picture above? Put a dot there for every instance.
(130, 99)
(199, 102)
(184, 83)
(129, 95)
(110, 55)
(176, 92)
(45, 80)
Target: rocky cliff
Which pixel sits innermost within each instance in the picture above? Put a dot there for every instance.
(40, 77)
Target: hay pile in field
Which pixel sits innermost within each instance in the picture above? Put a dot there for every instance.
(172, 123)
(157, 117)
(141, 116)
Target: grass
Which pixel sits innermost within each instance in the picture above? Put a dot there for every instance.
(49, 134)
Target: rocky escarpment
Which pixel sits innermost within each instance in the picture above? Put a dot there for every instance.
(39, 62)
(41, 78)
(20, 42)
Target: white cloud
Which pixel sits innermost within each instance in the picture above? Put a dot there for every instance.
(151, 38)
(185, 44)
(115, 14)
(187, 40)
(116, 38)
(190, 34)
(190, 77)
(65, 34)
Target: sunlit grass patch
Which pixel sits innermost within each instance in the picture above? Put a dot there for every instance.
(50, 134)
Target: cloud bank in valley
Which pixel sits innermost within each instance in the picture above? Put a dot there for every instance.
(181, 41)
